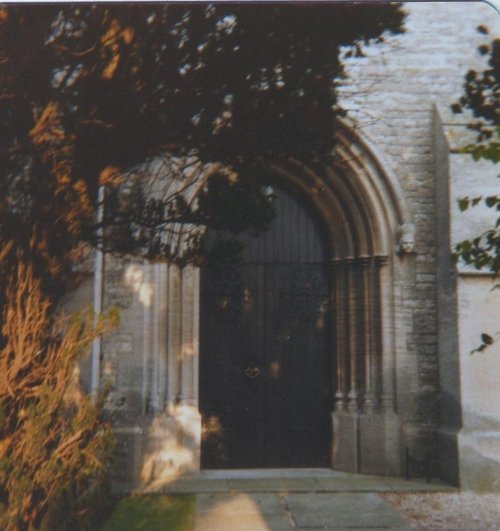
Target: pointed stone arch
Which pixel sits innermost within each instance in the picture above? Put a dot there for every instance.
(362, 207)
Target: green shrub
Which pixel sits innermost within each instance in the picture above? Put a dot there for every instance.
(54, 446)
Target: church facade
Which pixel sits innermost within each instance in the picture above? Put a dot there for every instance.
(345, 342)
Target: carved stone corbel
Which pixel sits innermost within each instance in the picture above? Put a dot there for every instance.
(406, 238)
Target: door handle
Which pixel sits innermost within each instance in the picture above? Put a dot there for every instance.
(252, 372)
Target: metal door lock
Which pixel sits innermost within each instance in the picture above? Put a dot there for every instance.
(252, 372)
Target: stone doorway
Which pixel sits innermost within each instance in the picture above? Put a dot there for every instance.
(371, 384)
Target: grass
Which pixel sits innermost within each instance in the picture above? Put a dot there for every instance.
(153, 513)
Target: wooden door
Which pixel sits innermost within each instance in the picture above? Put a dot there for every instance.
(265, 370)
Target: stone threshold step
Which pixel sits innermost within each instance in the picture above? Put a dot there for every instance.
(288, 481)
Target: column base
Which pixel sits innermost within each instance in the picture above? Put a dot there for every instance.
(380, 444)
(366, 443)
(345, 450)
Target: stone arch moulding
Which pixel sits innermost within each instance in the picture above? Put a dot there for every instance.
(361, 204)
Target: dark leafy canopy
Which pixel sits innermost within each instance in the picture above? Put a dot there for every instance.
(482, 97)
(90, 91)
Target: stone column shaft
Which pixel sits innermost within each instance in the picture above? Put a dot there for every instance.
(339, 325)
(147, 335)
(353, 303)
(387, 340)
(174, 308)
(368, 332)
(189, 335)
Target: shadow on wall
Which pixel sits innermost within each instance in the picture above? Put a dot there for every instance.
(147, 362)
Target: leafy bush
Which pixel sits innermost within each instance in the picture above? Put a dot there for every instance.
(53, 444)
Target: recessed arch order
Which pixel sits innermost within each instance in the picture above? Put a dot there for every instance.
(362, 206)
(359, 198)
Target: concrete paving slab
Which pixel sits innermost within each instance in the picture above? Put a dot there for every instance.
(274, 485)
(352, 484)
(189, 486)
(239, 503)
(349, 528)
(240, 512)
(343, 511)
(237, 523)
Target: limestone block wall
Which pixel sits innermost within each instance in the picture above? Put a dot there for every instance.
(479, 443)
(391, 93)
(477, 309)
(148, 365)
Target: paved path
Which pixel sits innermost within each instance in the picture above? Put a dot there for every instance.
(293, 500)
(295, 511)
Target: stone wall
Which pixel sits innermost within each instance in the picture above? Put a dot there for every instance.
(391, 95)
(147, 363)
(477, 306)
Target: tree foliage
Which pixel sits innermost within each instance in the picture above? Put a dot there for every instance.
(91, 93)
(176, 111)
(482, 97)
(53, 444)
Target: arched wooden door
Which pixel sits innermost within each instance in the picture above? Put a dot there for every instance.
(265, 368)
